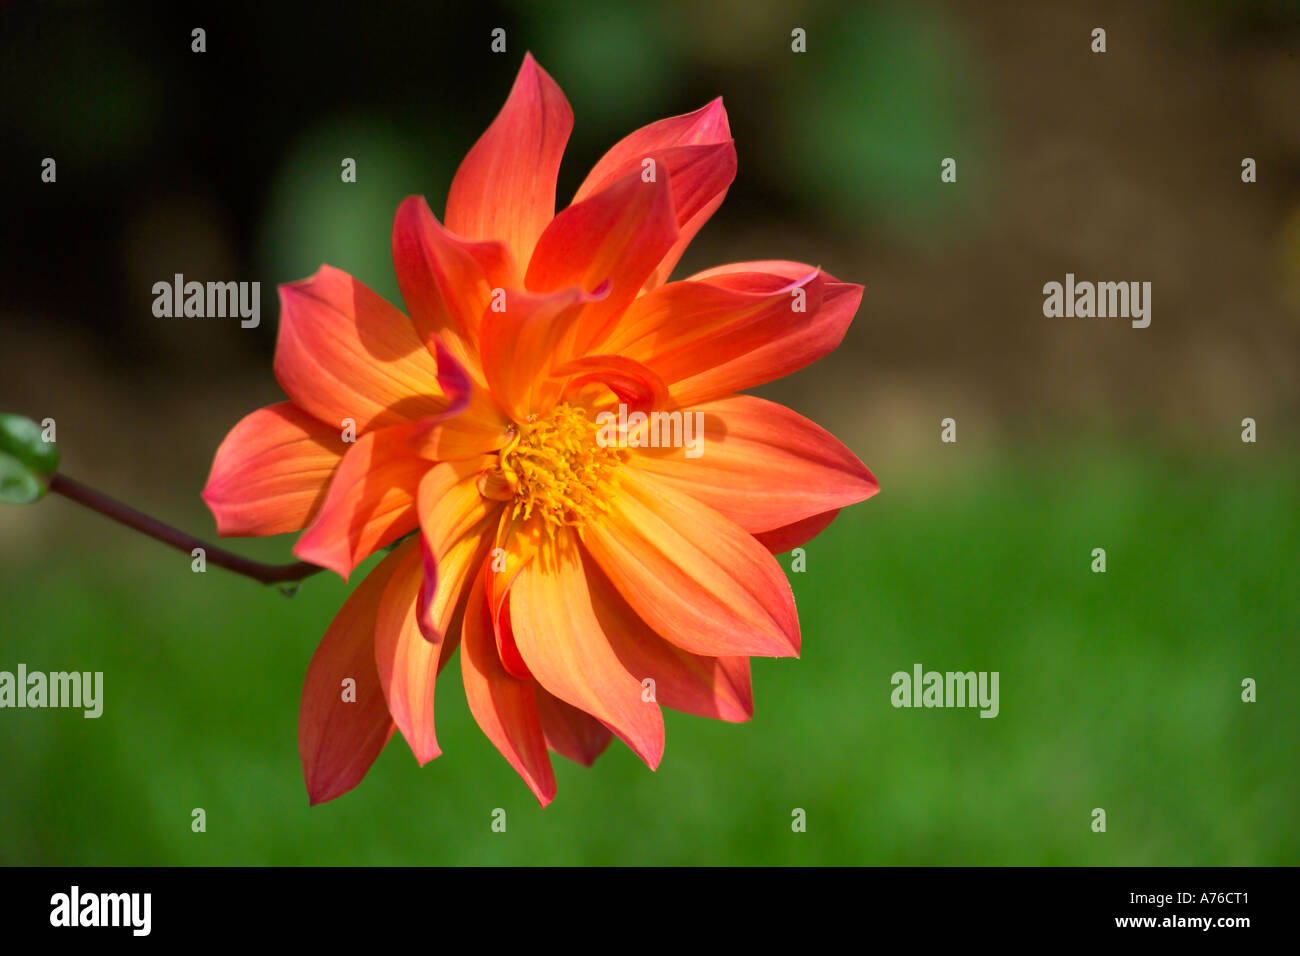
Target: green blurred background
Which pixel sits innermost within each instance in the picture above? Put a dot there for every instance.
(1119, 690)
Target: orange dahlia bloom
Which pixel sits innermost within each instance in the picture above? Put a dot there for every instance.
(588, 572)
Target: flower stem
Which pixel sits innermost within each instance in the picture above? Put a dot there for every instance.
(125, 514)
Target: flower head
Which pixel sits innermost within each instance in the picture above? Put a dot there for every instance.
(595, 510)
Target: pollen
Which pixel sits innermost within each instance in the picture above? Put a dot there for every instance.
(558, 469)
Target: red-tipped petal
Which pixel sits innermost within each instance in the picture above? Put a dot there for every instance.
(761, 464)
(503, 706)
(343, 721)
(505, 188)
(271, 472)
(371, 501)
(571, 732)
(706, 126)
(619, 235)
(696, 152)
(697, 578)
(344, 353)
(567, 651)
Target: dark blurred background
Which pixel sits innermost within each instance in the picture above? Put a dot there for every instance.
(1119, 690)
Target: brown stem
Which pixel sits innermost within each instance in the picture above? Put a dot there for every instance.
(125, 514)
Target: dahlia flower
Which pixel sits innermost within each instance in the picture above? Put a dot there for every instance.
(589, 573)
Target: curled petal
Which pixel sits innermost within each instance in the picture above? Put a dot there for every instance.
(371, 501)
(698, 579)
(343, 353)
(631, 383)
(270, 473)
(505, 188)
(343, 721)
(503, 706)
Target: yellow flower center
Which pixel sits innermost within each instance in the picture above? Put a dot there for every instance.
(558, 469)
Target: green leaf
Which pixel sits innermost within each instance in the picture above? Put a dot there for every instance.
(23, 439)
(19, 485)
(26, 460)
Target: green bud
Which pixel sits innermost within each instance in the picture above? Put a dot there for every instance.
(26, 460)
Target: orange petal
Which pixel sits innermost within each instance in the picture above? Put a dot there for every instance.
(707, 686)
(571, 732)
(444, 585)
(521, 345)
(516, 541)
(371, 501)
(689, 329)
(344, 353)
(697, 578)
(270, 474)
(507, 649)
(781, 348)
(504, 707)
(470, 426)
(761, 465)
(505, 188)
(407, 659)
(700, 173)
(567, 651)
(619, 235)
(447, 281)
(449, 501)
(406, 662)
(343, 721)
(783, 539)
